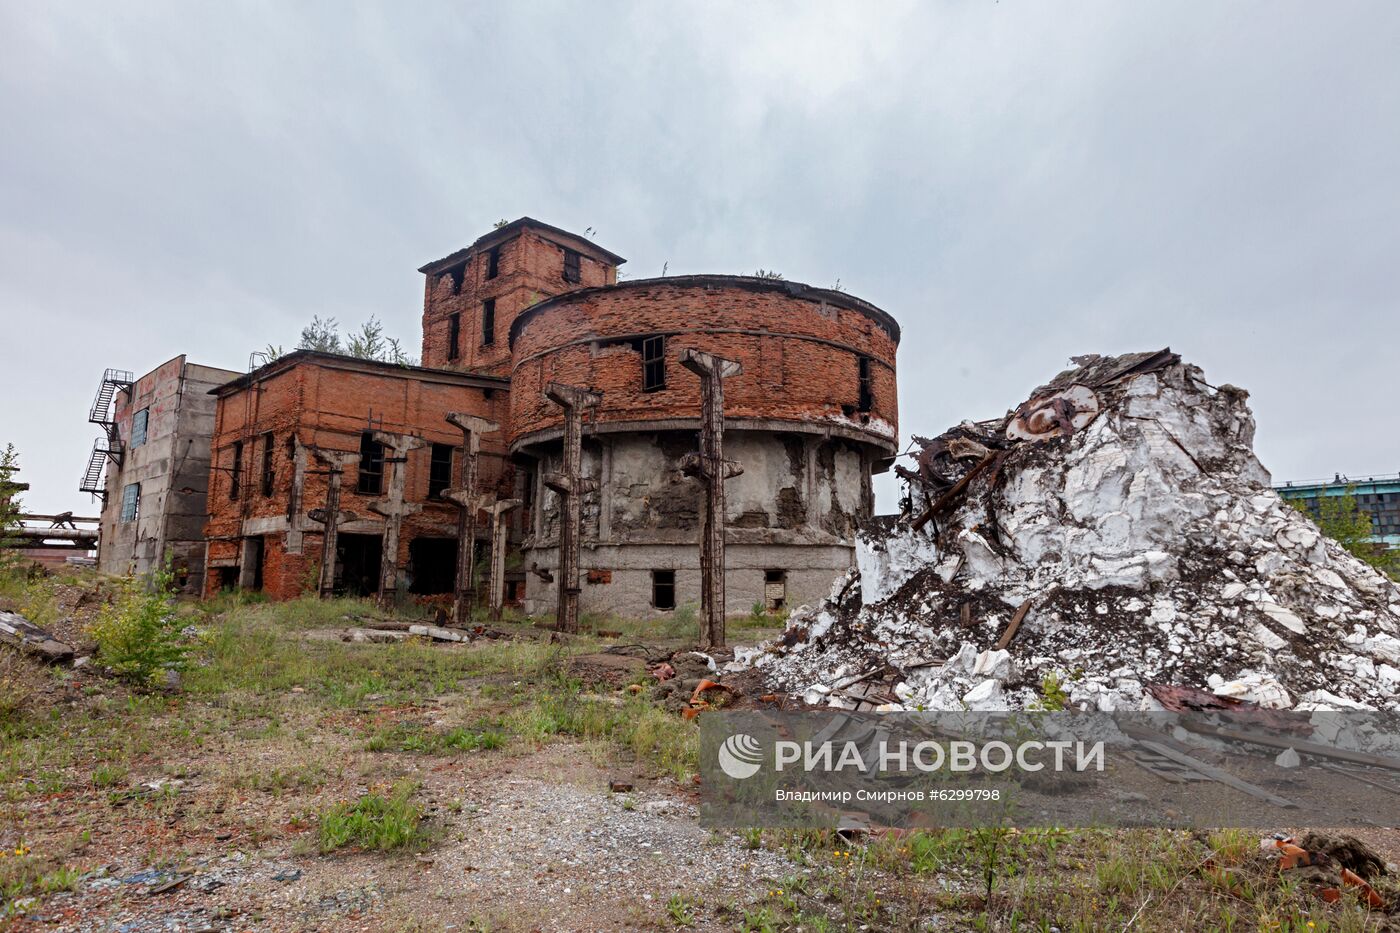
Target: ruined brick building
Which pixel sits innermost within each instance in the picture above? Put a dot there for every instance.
(811, 417)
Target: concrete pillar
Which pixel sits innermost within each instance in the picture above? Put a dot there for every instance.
(571, 487)
(497, 591)
(335, 462)
(393, 508)
(465, 496)
(712, 469)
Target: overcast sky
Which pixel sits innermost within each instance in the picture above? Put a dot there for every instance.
(1016, 183)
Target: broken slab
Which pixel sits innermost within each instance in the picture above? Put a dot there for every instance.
(20, 633)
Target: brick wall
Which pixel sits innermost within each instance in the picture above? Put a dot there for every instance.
(530, 268)
(328, 403)
(800, 354)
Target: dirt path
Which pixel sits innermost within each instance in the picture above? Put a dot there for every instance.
(533, 842)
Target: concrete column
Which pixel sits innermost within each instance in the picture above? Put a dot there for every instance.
(712, 469)
(571, 486)
(335, 462)
(393, 508)
(497, 591)
(464, 495)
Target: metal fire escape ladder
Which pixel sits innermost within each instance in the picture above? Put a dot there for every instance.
(108, 447)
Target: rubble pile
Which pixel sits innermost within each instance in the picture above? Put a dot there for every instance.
(1114, 533)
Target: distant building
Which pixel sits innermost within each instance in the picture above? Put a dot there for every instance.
(151, 468)
(1377, 496)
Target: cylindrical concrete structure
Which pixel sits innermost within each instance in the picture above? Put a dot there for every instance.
(811, 416)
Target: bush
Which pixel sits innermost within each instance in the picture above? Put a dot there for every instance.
(139, 634)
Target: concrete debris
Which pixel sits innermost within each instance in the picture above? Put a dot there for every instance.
(19, 632)
(1123, 513)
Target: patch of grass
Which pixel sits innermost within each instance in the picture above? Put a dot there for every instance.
(663, 739)
(410, 737)
(109, 775)
(376, 821)
(20, 680)
(680, 910)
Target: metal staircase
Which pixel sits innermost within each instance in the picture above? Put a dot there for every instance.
(101, 411)
(92, 475)
(109, 446)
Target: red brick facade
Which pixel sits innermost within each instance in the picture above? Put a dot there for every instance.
(531, 263)
(329, 402)
(801, 351)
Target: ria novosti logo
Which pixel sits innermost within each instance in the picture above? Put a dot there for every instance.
(740, 756)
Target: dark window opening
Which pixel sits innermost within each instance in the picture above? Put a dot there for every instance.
(228, 578)
(371, 481)
(493, 262)
(439, 470)
(457, 274)
(653, 363)
(432, 565)
(235, 487)
(867, 390)
(454, 336)
(138, 427)
(357, 564)
(774, 589)
(256, 555)
(268, 473)
(488, 322)
(131, 502)
(663, 589)
(571, 266)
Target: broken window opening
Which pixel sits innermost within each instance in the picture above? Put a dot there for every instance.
(268, 473)
(488, 322)
(131, 502)
(371, 478)
(454, 336)
(774, 590)
(653, 363)
(493, 262)
(572, 272)
(138, 427)
(663, 589)
(236, 474)
(867, 390)
(457, 274)
(439, 470)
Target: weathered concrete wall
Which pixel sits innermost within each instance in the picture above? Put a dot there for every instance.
(321, 400)
(794, 508)
(171, 468)
(626, 589)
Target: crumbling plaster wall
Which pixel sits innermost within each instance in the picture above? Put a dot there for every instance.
(794, 508)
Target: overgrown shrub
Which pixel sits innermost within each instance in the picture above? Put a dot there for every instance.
(139, 635)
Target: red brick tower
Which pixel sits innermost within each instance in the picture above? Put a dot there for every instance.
(472, 297)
